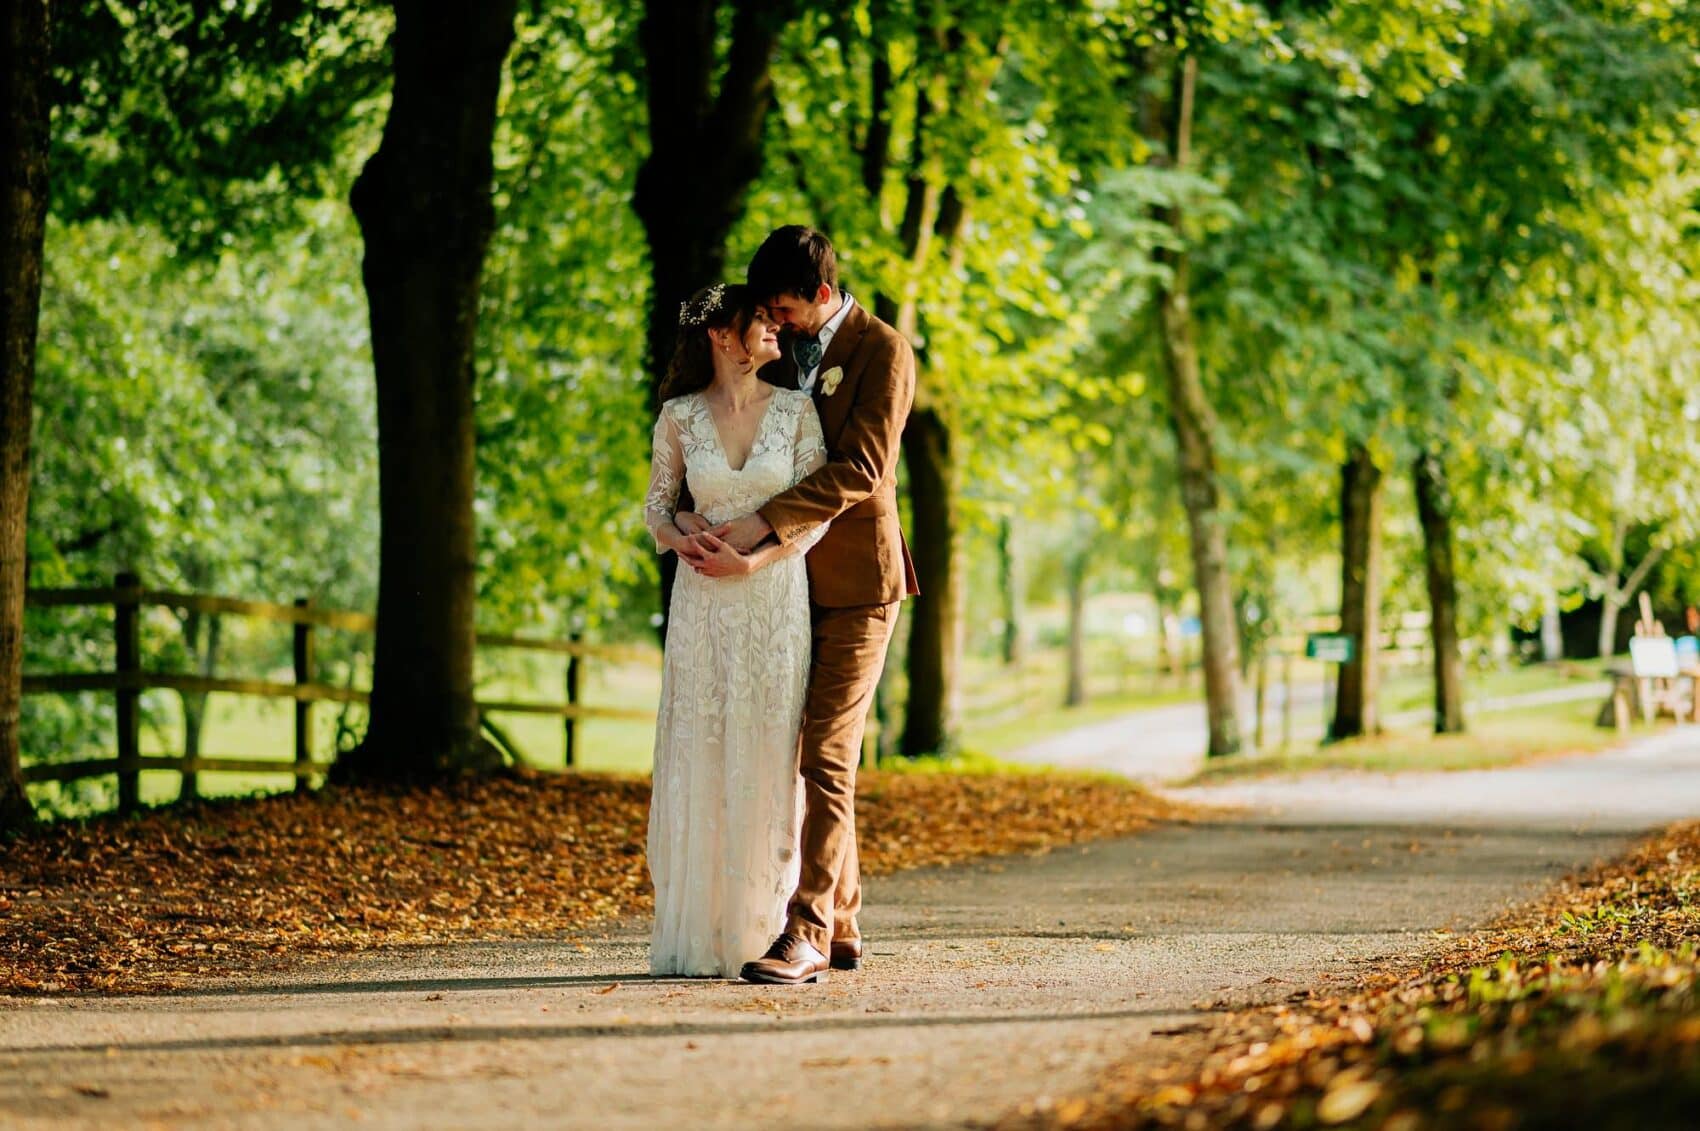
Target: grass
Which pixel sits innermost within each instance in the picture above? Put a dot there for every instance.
(1500, 738)
(254, 728)
(1414, 690)
(1007, 708)
(606, 745)
(1001, 735)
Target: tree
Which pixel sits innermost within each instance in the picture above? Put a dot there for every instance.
(1355, 708)
(24, 40)
(1387, 132)
(1604, 434)
(938, 186)
(219, 121)
(1554, 105)
(1192, 417)
(1010, 579)
(207, 422)
(705, 151)
(424, 207)
(564, 385)
(705, 145)
(177, 83)
(1305, 285)
(931, 211)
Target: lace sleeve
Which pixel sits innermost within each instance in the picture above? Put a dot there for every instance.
(666, 476)
(808, 456)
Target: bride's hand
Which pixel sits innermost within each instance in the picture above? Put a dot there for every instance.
(685, 545)
(719, 559)
(689, 522)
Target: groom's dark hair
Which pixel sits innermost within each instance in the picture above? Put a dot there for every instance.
(794, 260)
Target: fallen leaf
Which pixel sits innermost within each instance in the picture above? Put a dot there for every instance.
(136, 904)
(1348, 1101)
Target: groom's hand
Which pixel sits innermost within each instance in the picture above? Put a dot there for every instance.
(745, 534)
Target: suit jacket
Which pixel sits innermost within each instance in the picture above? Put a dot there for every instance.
(863, 559)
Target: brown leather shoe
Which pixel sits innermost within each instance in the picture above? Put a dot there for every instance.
(788, 962)
(846, 954)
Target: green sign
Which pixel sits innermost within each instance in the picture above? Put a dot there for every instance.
(1329, 647)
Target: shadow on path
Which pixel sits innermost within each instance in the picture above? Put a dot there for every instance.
(474, 1034)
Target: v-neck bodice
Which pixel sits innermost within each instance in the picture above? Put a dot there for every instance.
(720, 435)
(719, 491)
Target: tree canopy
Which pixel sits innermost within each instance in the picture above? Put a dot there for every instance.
(1189, 284)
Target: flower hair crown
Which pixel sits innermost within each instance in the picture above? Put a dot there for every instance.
(697, 312)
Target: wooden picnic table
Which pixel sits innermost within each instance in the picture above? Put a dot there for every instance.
(1652, 694)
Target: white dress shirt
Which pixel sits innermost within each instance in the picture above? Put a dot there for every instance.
(806, 382)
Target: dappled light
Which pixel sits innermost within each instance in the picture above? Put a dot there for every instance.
(1198, 503)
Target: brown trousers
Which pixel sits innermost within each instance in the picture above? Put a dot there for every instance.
(849, 653)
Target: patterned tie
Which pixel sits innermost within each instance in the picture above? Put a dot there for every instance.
(807, 354)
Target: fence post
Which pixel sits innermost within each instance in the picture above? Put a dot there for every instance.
(574, 670)
(129, 669)
(303, 707)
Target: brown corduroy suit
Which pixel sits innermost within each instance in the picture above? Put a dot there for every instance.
(859, 573)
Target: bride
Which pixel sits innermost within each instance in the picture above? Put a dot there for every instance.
(727, 802)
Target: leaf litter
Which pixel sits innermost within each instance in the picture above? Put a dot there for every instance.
(1577, 1010)
(173, 895)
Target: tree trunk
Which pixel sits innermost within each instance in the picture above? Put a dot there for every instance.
(888, 707)
(1611, 604)
(931, 716)
(1355, 707)
(1168, 643)
(1617, 596)
(425, 211)
(1077, 569)
(1434, 512)
(1193, 421)
(1552, 630)
(1286, 701)
(935, 624)
(935, 631)
(705, 150)
(24, 60)
(1260, 699)
(1009, 590)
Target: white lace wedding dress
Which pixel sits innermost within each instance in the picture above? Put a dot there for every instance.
(727, 801)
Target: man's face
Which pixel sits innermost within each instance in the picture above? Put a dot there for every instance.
(798, 313)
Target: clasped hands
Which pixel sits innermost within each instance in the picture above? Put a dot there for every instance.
(727, 550)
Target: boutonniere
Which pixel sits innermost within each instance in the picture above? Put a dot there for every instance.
(830, 379)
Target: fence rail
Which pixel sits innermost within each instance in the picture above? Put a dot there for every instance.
(126, 597)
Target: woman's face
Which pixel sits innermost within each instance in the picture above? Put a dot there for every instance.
(761, 338)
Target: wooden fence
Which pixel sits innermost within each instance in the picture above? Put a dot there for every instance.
(126, 597)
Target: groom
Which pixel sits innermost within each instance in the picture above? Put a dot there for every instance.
(861, 374)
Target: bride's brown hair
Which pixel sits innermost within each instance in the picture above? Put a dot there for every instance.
(713, 308)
